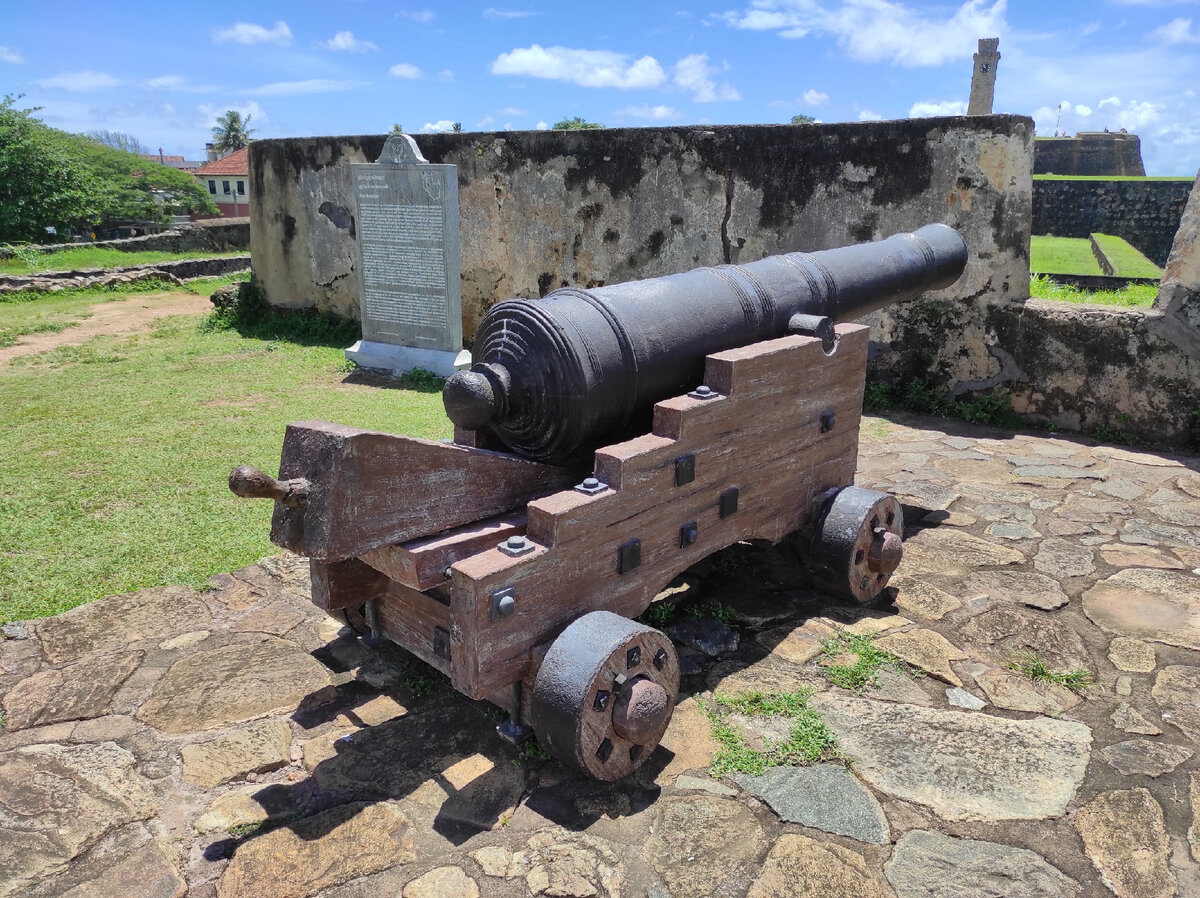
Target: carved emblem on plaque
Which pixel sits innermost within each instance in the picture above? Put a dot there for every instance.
(432, 181)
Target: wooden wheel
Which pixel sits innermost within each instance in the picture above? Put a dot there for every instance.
(604, 694)
(857, 545)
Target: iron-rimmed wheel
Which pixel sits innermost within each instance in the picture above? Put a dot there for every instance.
(857, 544)
(604, 694)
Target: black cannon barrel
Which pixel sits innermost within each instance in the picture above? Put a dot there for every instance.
(554, 374)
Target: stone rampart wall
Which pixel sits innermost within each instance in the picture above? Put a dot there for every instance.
(1145, 213)
(219, 236)
(544, 209)
(1089, 154)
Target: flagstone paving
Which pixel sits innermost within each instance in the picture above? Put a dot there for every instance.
(235, 742)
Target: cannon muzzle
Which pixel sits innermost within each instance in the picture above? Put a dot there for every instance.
(555, 374)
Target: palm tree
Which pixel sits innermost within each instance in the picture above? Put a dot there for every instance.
(232, 132)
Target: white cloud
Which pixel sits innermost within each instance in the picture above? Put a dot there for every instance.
(869, 115)
(513, 110)
(80, 82)
(1111, 101)
(1082, 111)
(164, 82)
(421, 16)
(7, 54)
(248, 33)
(945, 107)
(654, 113)
(497, 15)
(484, 122)
(587, 68)
(813, 97)
(207, 113)
(445, 75)
(309, 86)
(693, 73)
(434, 127)
(404, 70)
(880, 30)
(345, 41)
(542, 126)
(1177, 31)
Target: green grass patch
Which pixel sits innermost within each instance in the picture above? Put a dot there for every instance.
(117, 452)
(1035, 668)
(868, 660)
(1125, 259)
(1133, 296)
(1062, 255)
(29, 261)
(810, 739)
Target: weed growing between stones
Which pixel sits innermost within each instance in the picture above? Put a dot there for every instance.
(869, 658)
(530, 751)
(810, 739)
(1035, 668)
(658, 614)
(713, 611)
(994, 408)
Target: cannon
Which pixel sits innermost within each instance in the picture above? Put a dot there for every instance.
(605, 441)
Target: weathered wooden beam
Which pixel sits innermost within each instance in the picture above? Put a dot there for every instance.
(424, 563)
(367, 490)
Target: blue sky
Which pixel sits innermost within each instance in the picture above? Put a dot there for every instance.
(162, 71)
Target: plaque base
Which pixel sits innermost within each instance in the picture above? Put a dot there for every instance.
(402, 359)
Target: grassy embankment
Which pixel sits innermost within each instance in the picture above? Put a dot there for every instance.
(1073, 255)
(28, 261)
(117, 451)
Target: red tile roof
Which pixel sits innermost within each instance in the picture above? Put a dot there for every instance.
(233, 164)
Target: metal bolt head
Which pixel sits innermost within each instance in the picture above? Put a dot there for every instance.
(633, 657)
(506, 606)
(603, 697)
(590, 483)
(660, 658)
(619, 681)
(635, 752)
(516, 542)
(605, 749)
(703, 392)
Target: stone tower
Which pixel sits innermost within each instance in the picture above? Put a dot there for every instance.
(983, 77)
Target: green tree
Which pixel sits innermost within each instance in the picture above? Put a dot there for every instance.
(118, 140)
(232, 132)
(43, 182)
(576, 124)
(457, 126)
(135, 188)
(802, 119)
(397, 129)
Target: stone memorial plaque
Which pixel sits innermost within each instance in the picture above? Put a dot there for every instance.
(408, 262)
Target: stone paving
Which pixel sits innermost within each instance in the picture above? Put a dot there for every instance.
(236, 743)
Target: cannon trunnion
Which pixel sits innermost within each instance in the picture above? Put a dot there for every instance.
(519, 579)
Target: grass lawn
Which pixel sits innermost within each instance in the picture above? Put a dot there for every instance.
(28, 262)
(1062, 255)
(117, 453)
(34, 313)
(1133, 296)
(1126, 261)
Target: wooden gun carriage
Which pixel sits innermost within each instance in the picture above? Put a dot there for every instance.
(518, 573)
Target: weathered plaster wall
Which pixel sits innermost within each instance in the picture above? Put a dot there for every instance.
(1104, 153)
(1146, 213)
(543, 209)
